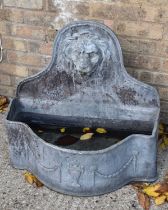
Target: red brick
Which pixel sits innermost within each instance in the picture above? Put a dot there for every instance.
(12, 69)
(163, 92)
(151, 2)
(120, 11)
(109, 23)
(165, 32)
(5, 79)
(15, 80)
(146, 76)
(5, 28)
(7, 90)
(164, 117)
(16, 15)
(142, 61)
(53, 7)
(161, 79)
(139, 29)
(164, 106)
(30, 32)
(78, 8)
(147, 47)
(25, 58)
(4, 14)
(27, 4)
(14, 43)
(33, 46)
(39, 18)
(50, 34)
(32, 70)
(46, 48)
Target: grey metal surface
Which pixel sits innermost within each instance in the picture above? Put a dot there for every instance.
(85, 84)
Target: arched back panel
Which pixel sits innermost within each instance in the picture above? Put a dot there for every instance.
(86, 79)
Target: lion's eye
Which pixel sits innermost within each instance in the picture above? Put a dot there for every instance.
(94, 57)
(92, 54)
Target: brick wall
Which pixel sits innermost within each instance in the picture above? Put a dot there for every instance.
(28, 28)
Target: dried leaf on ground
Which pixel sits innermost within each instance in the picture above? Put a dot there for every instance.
(166, 178)
(37, 182)
(140, 185)
(163, 188)
(161, 128)
(158, 192)
(162, 146)
(62, 130)
(86, 136)
(4, 102)
(31, 179)
(152, 190)
(101, 130)
(144, 200)
(164, 142)
(160, 200)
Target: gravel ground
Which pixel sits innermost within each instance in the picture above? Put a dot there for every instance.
(16, 194)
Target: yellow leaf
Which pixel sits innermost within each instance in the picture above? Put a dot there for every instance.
(165, 140)
(86, 136)
(160, 200)
(162, 145)
(3, 100)
(40, 131)
(161, 128)
(37, 182)
(85, 130)
(166, 193)
(151, 190)
(101, 130)
(29, 177)
(62, 130)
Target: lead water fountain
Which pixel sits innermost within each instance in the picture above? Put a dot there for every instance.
(85, 85)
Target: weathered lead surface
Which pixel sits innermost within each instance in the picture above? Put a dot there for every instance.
(85, 84)
(16, 194)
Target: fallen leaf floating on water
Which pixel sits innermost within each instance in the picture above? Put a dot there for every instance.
(86, 136)
(85, 130)
(40, 131)
(160, 200)
(31, 179)
(101, 130)
(144, 200)
(62, 130)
